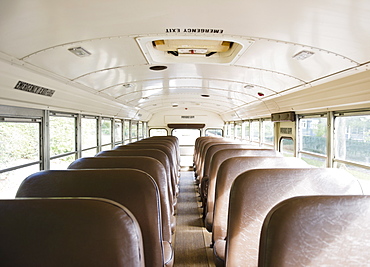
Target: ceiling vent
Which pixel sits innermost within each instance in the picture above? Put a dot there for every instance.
(192, 49)
(79, 51)
(303, 55)
(286, 130)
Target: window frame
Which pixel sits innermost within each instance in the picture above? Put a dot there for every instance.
(157, 129)
(215, 129)
(341, 114)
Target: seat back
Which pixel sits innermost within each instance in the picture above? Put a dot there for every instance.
(167, 150)
(68, 232)
(317, 231)
(227, 173)
(213, 148)
(150, 166)
(255, 192)
(153, 153)
(168, 143)
(219, 157)
(134, 189)
(201, 150)
(171, 138)
(203, 154)
(198, 146)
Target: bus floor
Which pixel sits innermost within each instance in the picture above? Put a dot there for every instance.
(192, 240)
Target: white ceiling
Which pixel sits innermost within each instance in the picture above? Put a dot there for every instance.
(38, 34)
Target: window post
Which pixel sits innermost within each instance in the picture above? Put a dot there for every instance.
(45, 141)
(330, 140)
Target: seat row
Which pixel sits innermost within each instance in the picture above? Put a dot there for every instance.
(135, 185)
(245, 183)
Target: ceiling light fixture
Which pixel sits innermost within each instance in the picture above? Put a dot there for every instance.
(248, 86)
(79, 51)
(303, 55)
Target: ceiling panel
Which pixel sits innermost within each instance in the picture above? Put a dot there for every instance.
(122, 52)
(36, 35)
(278, 56)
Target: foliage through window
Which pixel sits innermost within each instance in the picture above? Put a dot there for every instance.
(313, 140)
(62, 141)
(19, 146)
(62, 135)
(246, 130)
(106, 131)
(25, 149)
(352, 139)
(313, 135)
(255, 131)
(287, 146)
(214, 132)
(268, 132)
(157, 132)
(118, 132)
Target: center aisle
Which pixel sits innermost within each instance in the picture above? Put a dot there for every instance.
(191, 239)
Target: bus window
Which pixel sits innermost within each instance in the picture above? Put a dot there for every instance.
(255, 131)
(312, 132)
(126, 132)
(62, 141)
(230, 130)
(352, 145)
(145, 129)
(134, 129)
(186, 142)
(157, 132)
(140, 130)
(106, 134)
(214, 132)
(89, 139)
(20, 154)
(246, 130)
(238, 131)
(118, 132)
(287, 146)
(268, 133)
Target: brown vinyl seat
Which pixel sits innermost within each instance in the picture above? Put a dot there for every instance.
(166, 149)
(218, 158)
(68, 232)
(198, 145)
(132, 188)
(166, 142)
(150, 166)
(317, 231)
(202, 141)
(227, 173)
(212, 148)
(255, 192)
(171, 138)
(203, 154)
(153, 153)
(197, 148)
